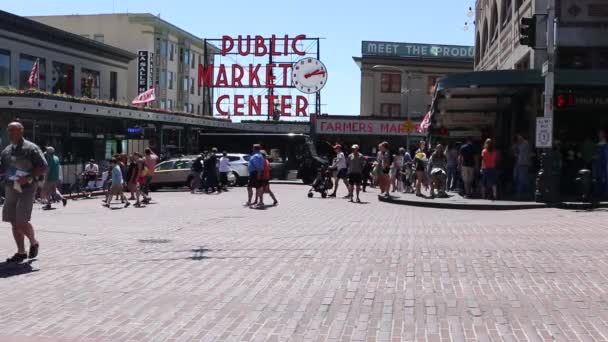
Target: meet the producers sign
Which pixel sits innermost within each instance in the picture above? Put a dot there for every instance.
(417, 50)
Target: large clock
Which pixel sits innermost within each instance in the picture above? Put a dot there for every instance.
(309, 75)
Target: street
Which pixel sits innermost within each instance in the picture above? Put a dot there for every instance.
(204, 268)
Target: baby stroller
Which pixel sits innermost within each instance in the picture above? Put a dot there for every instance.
(322, 183)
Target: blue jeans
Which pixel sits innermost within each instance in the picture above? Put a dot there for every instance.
(522, 179)
(451, 177)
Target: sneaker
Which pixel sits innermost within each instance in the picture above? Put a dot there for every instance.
(127, 205)
(331, 195)
(65, 201)
(275, 203)
(34, 251)
(47, 207)
(17, 258)
(106, 205)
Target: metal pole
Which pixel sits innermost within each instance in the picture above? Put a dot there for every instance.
(407, 106)
(550, 77)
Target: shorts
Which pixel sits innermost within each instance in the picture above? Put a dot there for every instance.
(116, 189)
(253, 180)
(342, 174)
(468, 174)
(355, 179)
(489, 177)
(141, 181)
(18, 206)
(263, 183)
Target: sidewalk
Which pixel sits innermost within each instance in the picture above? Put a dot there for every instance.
(456, 201)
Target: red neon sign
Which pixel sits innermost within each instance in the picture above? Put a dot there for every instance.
(255, 76)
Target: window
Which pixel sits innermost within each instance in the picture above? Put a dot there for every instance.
(62, 78)
(183, 164)
(89, 83)
(390, 83)
(192, 86)
(169, 104)
(193, 60)
(233, 158)
(113, 85)
(171, 51)
(390, 109)
(85, 36)
(163, 48)
(191, 108)
(198, 109)
(186, 84)
(5, 68)
(199, 91)
(163, 104)
(186, 108)
(170, 79)
(164, 166)
(98, 38)
(26, 63)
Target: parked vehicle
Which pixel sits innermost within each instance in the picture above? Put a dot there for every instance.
(176, 172)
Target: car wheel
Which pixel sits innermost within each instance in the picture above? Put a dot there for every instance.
(310, 195)
(233, 179)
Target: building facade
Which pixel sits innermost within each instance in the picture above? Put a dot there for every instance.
(168, 57)
(399, 78)
(581, 34)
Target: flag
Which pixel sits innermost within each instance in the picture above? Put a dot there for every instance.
(425, 124)
(34, 78)
(145, 97)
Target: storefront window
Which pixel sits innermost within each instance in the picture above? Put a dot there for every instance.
(390, 109)
(390, 83)
(26, 62)
(5, 67)
(62, 78)
(89, 83)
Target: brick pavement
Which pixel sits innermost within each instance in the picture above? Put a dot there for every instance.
(203, 268)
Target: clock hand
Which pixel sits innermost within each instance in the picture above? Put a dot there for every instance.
(315, 73)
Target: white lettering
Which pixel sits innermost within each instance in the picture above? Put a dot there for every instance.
(380, 48)
(424, 51)
(396, 49)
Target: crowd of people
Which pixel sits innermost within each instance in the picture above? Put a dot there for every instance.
(210, 174)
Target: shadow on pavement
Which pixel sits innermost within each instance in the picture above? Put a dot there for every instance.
(9, 269)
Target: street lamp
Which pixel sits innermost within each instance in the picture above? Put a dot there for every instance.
(404, 91)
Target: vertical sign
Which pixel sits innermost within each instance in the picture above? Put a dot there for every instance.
(544, 132)
(151, 73)
(143, 71)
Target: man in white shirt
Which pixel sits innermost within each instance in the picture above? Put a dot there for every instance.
(224, 170)
(91, 171)
(341, 168)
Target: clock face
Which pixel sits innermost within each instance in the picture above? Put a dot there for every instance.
(309, 75)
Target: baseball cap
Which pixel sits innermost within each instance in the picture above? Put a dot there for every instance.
(337, 146)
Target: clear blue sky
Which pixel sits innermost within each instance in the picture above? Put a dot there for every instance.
(344, 24)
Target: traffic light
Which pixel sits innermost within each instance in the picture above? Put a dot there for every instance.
(527, 32)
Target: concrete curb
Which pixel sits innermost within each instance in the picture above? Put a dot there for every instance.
(494, 205)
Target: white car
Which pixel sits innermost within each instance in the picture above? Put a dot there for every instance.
(239, 165)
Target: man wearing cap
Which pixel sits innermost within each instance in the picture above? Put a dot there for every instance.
(341, 168)
(52, 178)
(22, 164)
(356, 162)
(91, 170)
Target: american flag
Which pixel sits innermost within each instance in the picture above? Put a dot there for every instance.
(425, 124)
(32, 81)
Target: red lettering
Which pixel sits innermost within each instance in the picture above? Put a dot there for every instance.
(260, 46)
(239, 105)
(237, 77)
(253, 75)
(384, 128)
(323, 124)
(273, 46)
(222, 77)
(270, 76)
(370, 127)
(285, 67)
(285, 105)
(270, 99)
(286, 45)
(244, 52)
(218, 108)
(301, 105)
(205, 75)
(294, 45)
(255, 106)
(227, 45)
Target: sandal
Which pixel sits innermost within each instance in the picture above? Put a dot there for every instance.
(17, 258)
